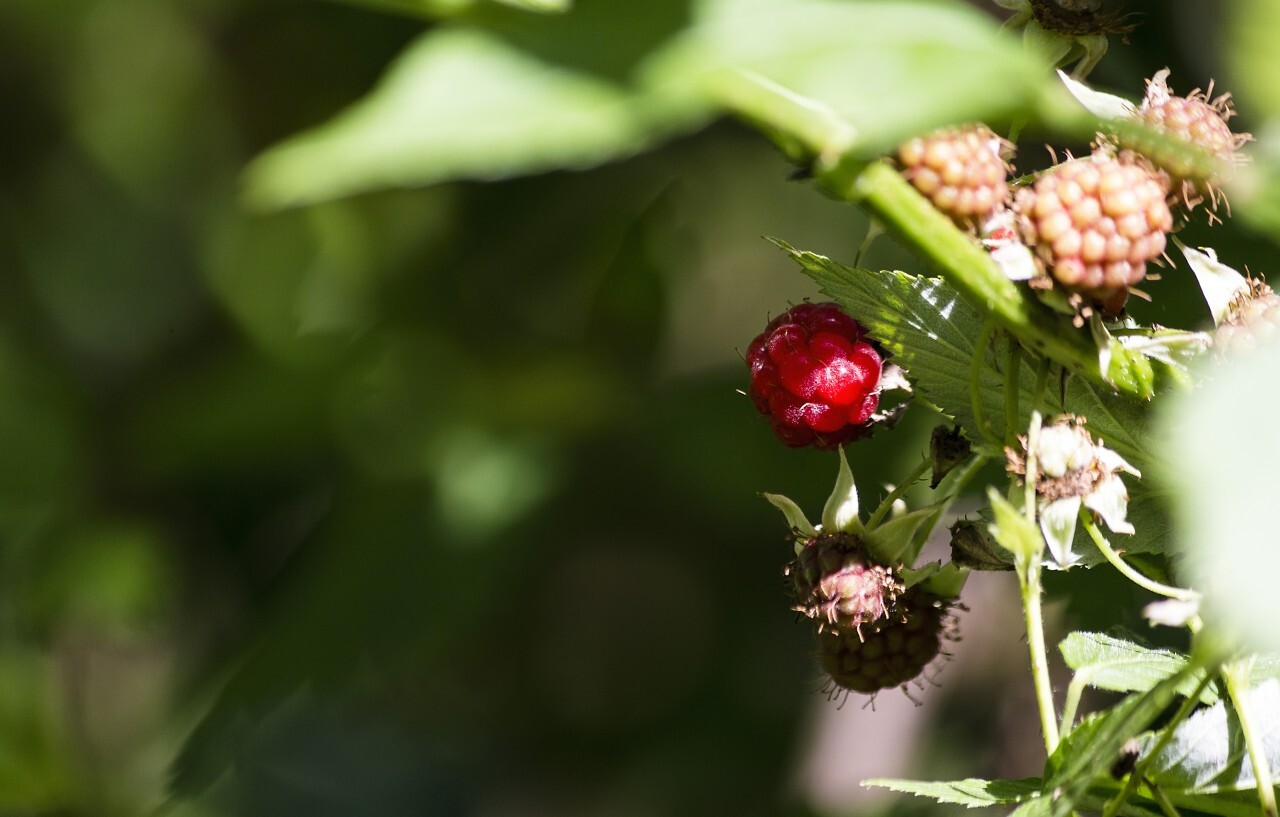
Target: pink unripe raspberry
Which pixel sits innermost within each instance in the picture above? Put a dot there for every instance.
(1094, 223)
(815, 376)
(837, 585)
(961, 170)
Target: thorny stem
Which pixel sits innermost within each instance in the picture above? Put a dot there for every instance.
(975, 385)
(1012, 367)
(887, 504)
(1236, 676)
(1091, 527)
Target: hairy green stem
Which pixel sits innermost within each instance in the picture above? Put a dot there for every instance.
(1012, 367)
(1091, 527)
(1029, 583)
(887, 504)
(1236, 676)
(975, 385)
(967, 267)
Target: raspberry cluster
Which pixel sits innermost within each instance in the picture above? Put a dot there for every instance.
(1251, 318)
(815, 376)
(1095, 223)
(961, 170)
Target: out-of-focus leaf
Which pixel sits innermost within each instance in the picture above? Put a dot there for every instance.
(1253, 30)
(971, 793)
(864, 75)
(1207, 753)
(462, 104)
(1117, 665)
(453, 8)
(1223, 445)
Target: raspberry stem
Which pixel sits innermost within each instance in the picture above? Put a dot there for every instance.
(1091, 527)
(1029, 583)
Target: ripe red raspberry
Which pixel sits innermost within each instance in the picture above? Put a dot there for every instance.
(815, 376)
(961, 170)
(892, 653)
(837, 585)
(1094, 223)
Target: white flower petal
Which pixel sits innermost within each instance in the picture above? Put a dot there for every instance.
(1110, 500)
(1058, 524)
(1111, 461)
(1171, 612)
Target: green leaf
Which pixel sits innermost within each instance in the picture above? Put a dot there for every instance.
(804, 67)
(1207, 753)
(461, 104)
(1089, 751)
(1114, 664)
(972, 792)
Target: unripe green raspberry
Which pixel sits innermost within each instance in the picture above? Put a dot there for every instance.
(1094, 223)
(962, 171)
(837, 585)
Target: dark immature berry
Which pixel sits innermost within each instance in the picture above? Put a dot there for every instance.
(890, 655)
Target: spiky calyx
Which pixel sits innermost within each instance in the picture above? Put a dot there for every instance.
(1094, 223)
(815, 376)
(837, 585)
(962, 171)
(1253, 316)
(894, 652)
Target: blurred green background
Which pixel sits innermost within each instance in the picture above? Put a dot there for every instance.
(437, 500)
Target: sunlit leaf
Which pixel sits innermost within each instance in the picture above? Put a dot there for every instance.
(972, 793)
(1114, 664)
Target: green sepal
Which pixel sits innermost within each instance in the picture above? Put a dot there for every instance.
(891, 540)
(1011, 529)
(796, 519)
(840, 514)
